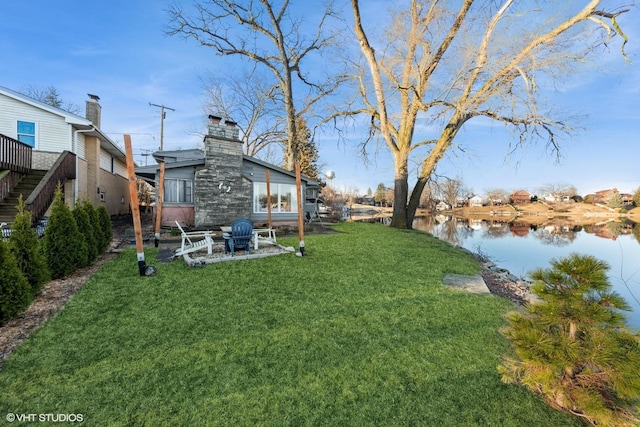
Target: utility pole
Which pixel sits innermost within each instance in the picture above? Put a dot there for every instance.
(163, 114)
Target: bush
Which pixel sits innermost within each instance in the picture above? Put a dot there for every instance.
(63, 245)
(86, 229)
(25, 247)
(95, 225)
(15, 293)
(105, 227)
(573, 346)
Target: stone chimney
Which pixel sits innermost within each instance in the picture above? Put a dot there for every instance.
(94, 110)
(217, 130)
(222, 194)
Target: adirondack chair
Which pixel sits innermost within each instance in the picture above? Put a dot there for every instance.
(189, 245)
(240, 236)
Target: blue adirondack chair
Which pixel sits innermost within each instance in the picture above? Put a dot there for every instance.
(240, 237)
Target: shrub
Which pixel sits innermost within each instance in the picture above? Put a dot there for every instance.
(105, 227)
(86, 229)
(573, 346)
(15, 293)
(95, 225)
(25, 247)
(63, 245)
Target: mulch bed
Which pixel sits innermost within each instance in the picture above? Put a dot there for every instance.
(49, 301)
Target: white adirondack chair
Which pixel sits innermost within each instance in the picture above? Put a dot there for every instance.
(188, 245)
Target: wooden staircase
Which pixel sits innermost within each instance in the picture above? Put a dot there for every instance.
(25, 186)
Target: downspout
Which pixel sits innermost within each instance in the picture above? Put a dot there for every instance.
(73, 150)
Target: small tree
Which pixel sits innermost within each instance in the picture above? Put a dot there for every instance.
(636, 197)
(573, 347)
(380, 194)
(15, 294)
(615, 201)
(86, 230)
(63, 245)
(24, 245)
(105, 227)
(95, 226)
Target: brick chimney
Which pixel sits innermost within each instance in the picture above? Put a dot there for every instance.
(94, 110)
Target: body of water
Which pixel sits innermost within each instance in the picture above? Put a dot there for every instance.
(520, 247)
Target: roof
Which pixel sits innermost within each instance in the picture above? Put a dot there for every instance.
(195, 157)
(80, 123)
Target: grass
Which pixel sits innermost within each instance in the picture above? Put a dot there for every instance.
(359, 332)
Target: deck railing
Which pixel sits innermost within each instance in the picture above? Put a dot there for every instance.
(14, 155)
(63, 169)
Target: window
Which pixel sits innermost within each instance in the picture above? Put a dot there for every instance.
(27, 133)
(178, 191)
(283, 198)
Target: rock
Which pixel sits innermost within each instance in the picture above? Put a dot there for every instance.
(474, 284)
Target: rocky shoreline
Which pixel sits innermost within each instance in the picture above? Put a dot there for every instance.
(504, 284)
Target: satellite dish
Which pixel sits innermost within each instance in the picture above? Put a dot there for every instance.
(330, 174)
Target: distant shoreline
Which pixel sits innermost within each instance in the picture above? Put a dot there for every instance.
(537, 212)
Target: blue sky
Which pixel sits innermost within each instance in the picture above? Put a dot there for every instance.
(118, 50)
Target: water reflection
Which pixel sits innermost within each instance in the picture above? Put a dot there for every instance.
(521, 246)
(557, 233)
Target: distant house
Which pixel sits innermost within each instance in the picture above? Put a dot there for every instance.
(520, 197)
(603, 196)
(475, 201)
(63, 147)
(217, 185)
(442, 206)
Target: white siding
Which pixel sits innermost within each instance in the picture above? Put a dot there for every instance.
(121, 169)
(52, 132)
(105, 160)
(80, 146)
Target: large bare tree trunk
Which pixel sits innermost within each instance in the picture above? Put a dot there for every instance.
(442, 63)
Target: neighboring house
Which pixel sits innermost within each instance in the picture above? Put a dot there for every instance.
(442, 206)
(475, 201)
(217, 185)
(603, 196)
(520, 197)
(98, 166)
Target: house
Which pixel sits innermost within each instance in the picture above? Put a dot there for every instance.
(217, 185)
(475, 201)
(520, 197)
(442, 206)
(604, 196)
(38, 140)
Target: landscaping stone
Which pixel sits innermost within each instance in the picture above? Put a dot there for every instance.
(473, 284)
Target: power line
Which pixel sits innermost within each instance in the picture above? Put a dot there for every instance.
(163, 114)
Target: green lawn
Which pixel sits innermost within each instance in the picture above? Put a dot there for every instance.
(360, 332)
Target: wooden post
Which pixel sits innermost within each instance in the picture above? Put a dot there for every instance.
(300, 210)
(135, 207)
(268, 176)
(159, 198)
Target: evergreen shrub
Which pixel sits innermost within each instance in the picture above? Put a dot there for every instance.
(63, 245)
(25, 247)
(573, 346)
(105, 227)
(86, 229)
(15, 292)
(95, 225)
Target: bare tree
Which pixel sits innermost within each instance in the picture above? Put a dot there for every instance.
(497, 196)
(452, 191)
(558, 191)
(50, 96)
(268, 34)
(442, 63)
(250, 101)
